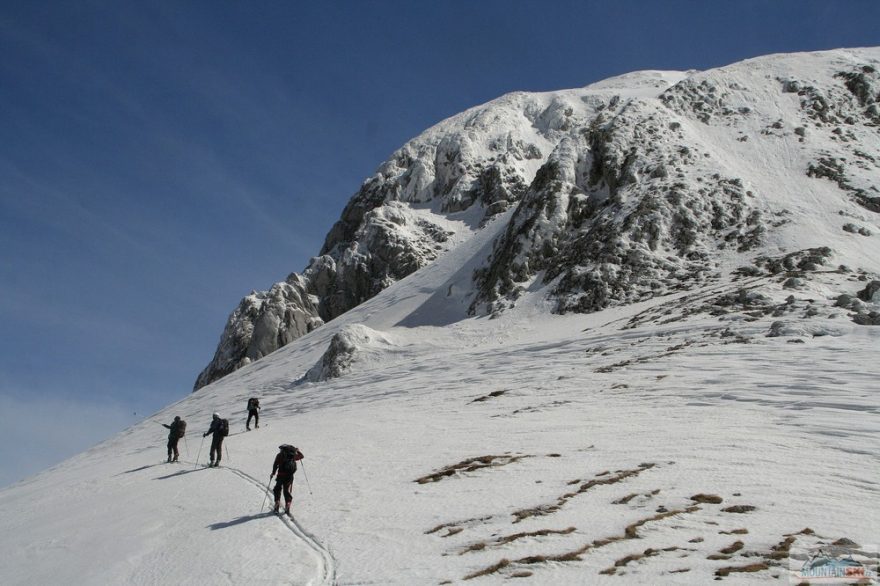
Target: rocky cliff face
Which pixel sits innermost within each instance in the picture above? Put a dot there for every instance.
(626, 189)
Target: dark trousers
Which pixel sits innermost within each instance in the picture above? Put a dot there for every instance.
(172, 447)
(287, 485)
(255, 414)
(216, 447)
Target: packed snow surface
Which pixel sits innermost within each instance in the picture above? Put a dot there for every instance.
(707, 433)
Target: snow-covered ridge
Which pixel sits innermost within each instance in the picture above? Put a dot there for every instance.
(631, 187)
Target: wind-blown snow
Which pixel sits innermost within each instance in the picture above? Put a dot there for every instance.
(563, 449)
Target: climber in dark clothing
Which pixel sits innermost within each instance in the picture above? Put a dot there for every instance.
(177, 429)
(253, 408)
(220, 429)
(285, 465)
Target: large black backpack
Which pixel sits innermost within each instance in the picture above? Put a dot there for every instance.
(224, 427)
(181, 428)
(253, 403)
(288, 460)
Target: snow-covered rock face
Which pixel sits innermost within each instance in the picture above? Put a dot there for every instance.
(262, 323)
(345, 348)
(630, 188)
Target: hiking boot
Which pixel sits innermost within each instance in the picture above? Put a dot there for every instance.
(168, 460)
(287, 509)
(258, 425)
(276, 508)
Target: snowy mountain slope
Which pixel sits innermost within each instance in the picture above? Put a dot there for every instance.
(550, 403)
(449, 180)
(559, 449)
(632, 187)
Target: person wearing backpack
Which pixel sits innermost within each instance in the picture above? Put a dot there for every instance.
(253, 408)
(177, 430)
(220, 429)
(285, 466)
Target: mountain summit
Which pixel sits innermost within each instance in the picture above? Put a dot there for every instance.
(630, 188)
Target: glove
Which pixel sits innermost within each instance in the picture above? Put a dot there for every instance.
(205, 434)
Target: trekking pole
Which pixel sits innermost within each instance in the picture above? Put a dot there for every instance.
(265, 498)
(186, 445)
(307, 479)
(227, 454)
(196, 465)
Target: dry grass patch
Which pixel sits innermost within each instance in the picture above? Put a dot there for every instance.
(455, 524)
(469, 465)
(626, 499)
(600, 480)
(781, 550)
(710, 499)
(727, 570)
(742, 531)
(726, 552)
(514, 537)
(631, 532)
(738, 509)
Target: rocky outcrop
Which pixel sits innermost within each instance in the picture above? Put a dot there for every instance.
(345, 348)
(397, 223)
(613, 217)
(630, 188)
(262, 323)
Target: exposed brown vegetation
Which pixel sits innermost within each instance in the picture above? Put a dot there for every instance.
(680, 571)
(780, 550)
(490, 570)
(742, 531)
(522, 574)
(727, 570)
(726, 552)
(601, 479)
(631, 532)
(510, 538)
(456, 524)
(711, 499)
(650, 552)
(732, 548)
(470, 465)
(738, 509)
(453, 531)
(626, 499)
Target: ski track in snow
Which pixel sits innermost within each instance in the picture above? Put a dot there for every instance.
(325, 559)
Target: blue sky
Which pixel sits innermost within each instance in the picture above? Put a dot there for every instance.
(159, 160)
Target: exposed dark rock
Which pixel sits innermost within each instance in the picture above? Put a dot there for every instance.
(870, 292)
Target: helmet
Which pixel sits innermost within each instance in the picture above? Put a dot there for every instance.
(177, 418)
(216, 415)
